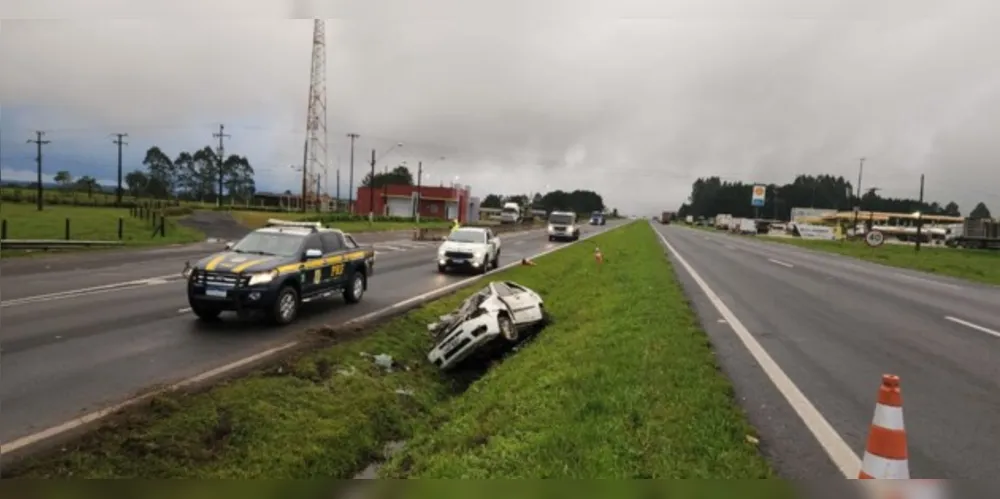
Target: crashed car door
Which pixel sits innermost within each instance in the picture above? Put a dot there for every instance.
(522, 307)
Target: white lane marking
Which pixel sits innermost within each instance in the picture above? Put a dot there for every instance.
(779, 262)
(833, 444)
(151, 281)
(99, 414)
(926, 281)
(96, 415)
(970, 325)
(183, 310)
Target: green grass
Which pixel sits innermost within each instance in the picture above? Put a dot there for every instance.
(974, 265)
(622, 384)
(256, 219)
(24, 221)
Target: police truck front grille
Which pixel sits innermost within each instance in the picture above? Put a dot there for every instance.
(220, 279)
(457, 254)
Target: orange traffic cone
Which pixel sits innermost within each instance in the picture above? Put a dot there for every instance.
(529, 263)
(598, 255)
(885, 454)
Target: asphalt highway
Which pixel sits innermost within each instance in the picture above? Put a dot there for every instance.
(67, 352)
(834, 325)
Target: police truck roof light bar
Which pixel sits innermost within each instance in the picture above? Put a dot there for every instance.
(274, 222)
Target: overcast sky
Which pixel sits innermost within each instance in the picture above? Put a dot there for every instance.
(633, 99)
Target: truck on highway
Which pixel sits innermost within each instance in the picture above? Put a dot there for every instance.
(982, 233)
(510, 213)
(276, 269)
(666, 217)
(722, 221)
(689, 219)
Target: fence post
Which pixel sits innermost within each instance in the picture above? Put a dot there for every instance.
(163, 226)
(67, 229)
(3, 229)
(121, 227)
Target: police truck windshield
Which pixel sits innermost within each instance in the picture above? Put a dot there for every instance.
(269, 243)
(561, 219)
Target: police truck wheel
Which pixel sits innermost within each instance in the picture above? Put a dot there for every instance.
(286, 306)
(355, 288)
(206, 313)
(442, 268)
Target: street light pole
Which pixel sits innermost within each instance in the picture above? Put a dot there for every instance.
(371, 192)
(857, 208)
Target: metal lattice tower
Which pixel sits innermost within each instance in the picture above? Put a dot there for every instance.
(315, 154)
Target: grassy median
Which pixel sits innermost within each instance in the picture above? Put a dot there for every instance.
(973, 265)
(622, 384)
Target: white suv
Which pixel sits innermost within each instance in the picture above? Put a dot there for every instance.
(469, 247)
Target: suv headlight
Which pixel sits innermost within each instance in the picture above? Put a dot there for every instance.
(551, 228)
(479, 254)
(262, 277)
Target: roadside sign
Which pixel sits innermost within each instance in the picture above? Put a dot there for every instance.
(757, 199)
(874, 238)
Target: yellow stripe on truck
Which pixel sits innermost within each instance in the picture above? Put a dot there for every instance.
(243, 266)
(215, 262)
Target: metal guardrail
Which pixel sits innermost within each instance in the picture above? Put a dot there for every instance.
(45, 244)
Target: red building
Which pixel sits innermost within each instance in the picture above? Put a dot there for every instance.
(400, 201)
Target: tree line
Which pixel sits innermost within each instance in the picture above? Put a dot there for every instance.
(192, 176)
(711, 196)
(577, 201)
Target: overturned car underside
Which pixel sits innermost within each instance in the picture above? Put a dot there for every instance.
(496, 315)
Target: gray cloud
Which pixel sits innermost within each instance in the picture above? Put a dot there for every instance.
(633, 99)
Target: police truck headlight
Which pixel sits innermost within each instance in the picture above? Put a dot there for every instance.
(262, 278)
(551, 228)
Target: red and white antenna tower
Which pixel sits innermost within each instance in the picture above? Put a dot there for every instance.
(314, 161)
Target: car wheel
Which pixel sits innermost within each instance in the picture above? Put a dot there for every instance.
(507, 329)
(442, 268)
(355, 288)
(206, 313)
(286, 306)
(551, 239)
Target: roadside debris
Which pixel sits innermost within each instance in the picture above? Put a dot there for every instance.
(486, 319)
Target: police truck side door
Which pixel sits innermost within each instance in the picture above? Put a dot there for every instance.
(333, 246)
(312, 271)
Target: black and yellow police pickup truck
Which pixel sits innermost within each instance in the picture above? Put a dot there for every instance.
(277, 268)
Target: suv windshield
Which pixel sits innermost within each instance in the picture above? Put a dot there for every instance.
(509, 210)
(467, 236)
(268, 243)
(596, 214)
(561, 219)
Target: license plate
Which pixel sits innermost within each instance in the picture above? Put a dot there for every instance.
(219, 293)
(458, 261)
(451, 344)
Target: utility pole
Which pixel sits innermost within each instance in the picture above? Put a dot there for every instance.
(222, 135)
(857, 207)
(920, 213)
(371, 192)
(350, 182)
(119, 142)
(420, 175)
(338, 188)
(305, 175)
(38, 159)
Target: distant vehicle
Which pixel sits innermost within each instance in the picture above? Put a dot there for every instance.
(747, 226)
(689, 219)
(510, 213)
(474, 248)
(975, 233)
(562, 225)
(498, 313)
(277, 268)
(597, 218)
(666, 217)
(722, 221)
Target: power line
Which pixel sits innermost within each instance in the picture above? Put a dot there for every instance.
(222, 135)
(119, 142)
(38, 159)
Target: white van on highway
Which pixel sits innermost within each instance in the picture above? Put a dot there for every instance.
(510, 214)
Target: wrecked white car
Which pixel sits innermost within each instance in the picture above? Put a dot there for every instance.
(499, 313)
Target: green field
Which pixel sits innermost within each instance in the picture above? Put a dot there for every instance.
(974, 265)
(256, 219)
(622, 384)
(24, 221)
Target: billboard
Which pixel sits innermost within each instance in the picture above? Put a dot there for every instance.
(757, 198)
